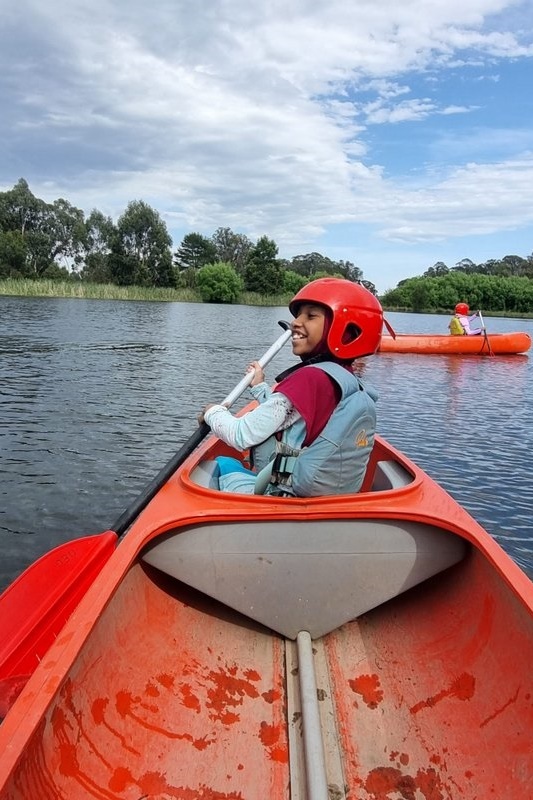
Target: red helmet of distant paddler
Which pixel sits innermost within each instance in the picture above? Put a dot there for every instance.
(462, 308)
(357, 316)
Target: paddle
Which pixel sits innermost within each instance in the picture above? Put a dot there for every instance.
(389, 328)
(483, 328)
(34, 608)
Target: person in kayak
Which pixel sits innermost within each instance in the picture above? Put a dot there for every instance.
(461, 320)
(313, 433)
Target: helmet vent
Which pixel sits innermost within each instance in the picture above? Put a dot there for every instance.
(351, 333)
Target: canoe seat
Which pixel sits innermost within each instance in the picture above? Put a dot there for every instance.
(388, 475)
(206, 474)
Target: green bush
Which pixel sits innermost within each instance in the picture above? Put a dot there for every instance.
(219, 283)
(292, 282)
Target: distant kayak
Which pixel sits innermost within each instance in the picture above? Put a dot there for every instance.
(491, 344)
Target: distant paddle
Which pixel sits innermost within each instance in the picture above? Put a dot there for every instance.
(483, 328)
(35, 607)
(389, 328)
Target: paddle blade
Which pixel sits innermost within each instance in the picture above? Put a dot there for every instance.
(37, 604)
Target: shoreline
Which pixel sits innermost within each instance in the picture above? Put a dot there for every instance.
(12, 287)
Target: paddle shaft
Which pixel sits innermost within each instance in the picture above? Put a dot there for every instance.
(135, 508)
(483, 328)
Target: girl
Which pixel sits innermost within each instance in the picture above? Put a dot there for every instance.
(313, 434)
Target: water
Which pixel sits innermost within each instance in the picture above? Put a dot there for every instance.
(95, 396)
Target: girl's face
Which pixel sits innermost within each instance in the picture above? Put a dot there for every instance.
(307, 328)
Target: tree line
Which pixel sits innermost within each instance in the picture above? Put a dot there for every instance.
(58, 241)
(495, 285)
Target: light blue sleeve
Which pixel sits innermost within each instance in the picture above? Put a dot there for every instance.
(275, 414)
(261, 392)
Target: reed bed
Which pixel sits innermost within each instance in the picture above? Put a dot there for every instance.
(92, 291)
(20, 287)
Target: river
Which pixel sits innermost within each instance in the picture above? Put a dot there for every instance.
(95, 396)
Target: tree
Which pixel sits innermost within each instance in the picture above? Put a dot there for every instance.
(19, 208)
(64, 226)
(22, 212)
(312, 263)
(350, 272)
(436, 270)
(194, 252)
(99, 235)
(219, 283)
(231, 248)
(140, 251)
(370, 286)
(292, 282)
(263, 272)
(466, 265)
(12, 254)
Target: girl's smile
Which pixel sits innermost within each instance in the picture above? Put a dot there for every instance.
(307, 328)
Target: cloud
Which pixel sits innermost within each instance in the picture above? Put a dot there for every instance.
(267, 118)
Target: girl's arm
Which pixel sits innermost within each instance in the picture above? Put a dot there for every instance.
(275, 414)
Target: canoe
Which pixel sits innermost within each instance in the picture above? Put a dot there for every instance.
(492, 344)
(376, 646)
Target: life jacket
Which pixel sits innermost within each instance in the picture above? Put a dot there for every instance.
(456, 329)
(335, 462)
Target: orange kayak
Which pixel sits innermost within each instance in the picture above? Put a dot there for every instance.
(376, 646)
(493, 343)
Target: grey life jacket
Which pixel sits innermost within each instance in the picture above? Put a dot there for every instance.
(335, 463)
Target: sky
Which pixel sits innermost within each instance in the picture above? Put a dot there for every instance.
(390, 134)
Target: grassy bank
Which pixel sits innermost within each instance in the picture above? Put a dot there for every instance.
(107, 291)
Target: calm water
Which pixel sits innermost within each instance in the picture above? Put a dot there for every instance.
(95, 396)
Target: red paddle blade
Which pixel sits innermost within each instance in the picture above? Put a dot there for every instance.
(35, 607)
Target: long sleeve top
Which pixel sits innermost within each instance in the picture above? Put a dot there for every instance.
(465, 322)
(274, 413)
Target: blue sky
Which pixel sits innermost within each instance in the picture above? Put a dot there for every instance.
(393, 135)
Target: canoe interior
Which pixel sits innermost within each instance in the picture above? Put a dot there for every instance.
(427, 697)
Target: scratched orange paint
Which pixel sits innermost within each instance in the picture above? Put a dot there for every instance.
(270, 736)
(462, 688)
(368, 687)
(381, 781)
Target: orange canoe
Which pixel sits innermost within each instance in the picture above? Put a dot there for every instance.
(375, 646)
(493, 343)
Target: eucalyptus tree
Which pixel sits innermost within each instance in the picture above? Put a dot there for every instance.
(13, 254)
(312, 263)
(19, 208)
(141, 248)
(436, 270)
(232, 248)
(99, 235)
(64, 226)
(53, 233)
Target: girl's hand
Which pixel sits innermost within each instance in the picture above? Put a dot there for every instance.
(259, 375)
(206, 408)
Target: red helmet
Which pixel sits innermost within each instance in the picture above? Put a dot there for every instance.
(355, 329)
(462, 308)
